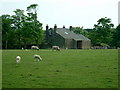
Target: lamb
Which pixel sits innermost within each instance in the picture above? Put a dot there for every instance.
(37, 57)
(56, 48)
(18, 59)
(35, 47)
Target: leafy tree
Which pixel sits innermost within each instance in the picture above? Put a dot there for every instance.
(26, 34)
(32, 12)
(21, 30)
(17, 25)
(116, 37)
(102, 32)
(37, 26)
(0, 33)
(6, 30)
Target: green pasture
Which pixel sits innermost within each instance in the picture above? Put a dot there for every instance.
(0, 69)
(60, 69)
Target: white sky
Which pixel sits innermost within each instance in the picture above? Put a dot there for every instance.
(67, 12)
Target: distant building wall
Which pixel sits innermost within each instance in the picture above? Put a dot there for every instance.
(58, 41)
(86, 44)
(69, 43)
(74, 44)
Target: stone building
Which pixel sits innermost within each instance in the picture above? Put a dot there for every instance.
(66, 38)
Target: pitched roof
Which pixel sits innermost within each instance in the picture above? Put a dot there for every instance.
(66, 33)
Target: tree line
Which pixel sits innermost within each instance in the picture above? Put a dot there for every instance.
(23, 30)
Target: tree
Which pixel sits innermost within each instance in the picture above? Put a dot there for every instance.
(116, 37)
(37, 26)
(20, 30)
(18, 19)
(0, 33)
(6, 30)
(102, 32)
(26, 34)
(32, 12)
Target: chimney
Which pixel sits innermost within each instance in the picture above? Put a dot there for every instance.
(63, 26)
(47, 27)
(55, 27)
(47, 34)
(70, 28)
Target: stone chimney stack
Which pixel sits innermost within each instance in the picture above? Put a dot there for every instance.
(47, 27)
(47, 33)
(63, 26)
(70, 28)
(55, 27)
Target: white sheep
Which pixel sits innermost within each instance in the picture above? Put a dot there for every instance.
(22, 48)
(18, 59)
(35, 47)
(56, 48)
(37, 57)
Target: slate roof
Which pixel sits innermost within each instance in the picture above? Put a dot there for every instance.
(66, 33)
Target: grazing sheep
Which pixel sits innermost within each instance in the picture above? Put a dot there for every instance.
(57, 48)
(18, 59)
(37, 57)
(66, 48)
(34, 47)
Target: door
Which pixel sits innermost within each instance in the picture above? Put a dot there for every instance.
(79, 44)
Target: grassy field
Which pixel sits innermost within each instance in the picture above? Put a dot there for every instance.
(64, 69)
(0, 69)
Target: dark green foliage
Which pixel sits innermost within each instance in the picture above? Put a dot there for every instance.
(7, 32)
(36, 32)
(21, 30)
(102, 32)
(116, 37)
(18, 19)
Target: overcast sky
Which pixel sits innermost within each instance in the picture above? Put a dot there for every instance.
(67, 12)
